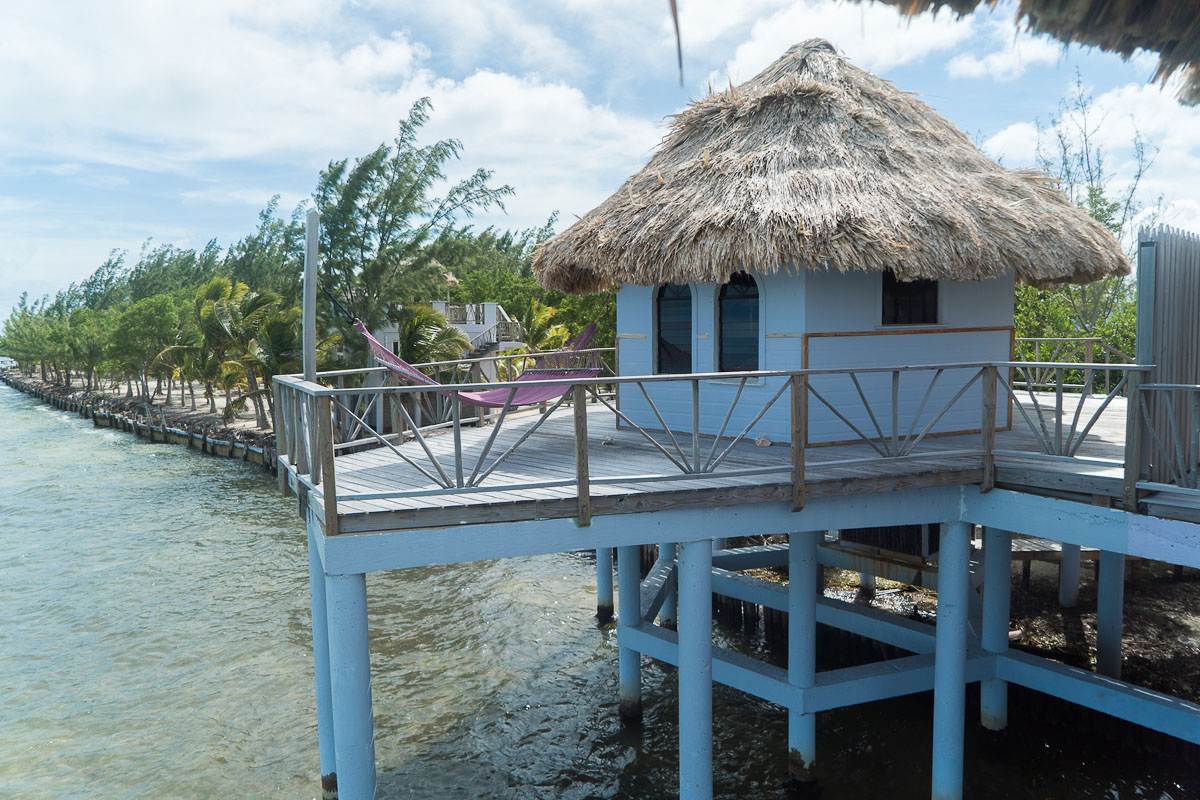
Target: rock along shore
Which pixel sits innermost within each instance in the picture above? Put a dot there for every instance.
(153, 422)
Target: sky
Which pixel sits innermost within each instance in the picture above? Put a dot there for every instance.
(176, 122)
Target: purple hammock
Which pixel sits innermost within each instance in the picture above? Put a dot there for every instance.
(568, 363)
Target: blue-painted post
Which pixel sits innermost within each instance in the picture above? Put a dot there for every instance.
(668, 615)
(350, 685)
(629, 611)
(802, 650)
(695, 670)
(1068, 576)
(604, 585)
(997, 586)
(950, 662)
(1110, 607)
(320, 636)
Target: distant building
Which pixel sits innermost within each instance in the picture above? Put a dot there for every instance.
(487, 325)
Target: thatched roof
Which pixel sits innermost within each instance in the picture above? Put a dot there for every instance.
(815, 162)
(1170, 28)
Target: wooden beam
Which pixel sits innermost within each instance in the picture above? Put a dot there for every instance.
(799, 438)
(325, 459)
(579, 400)
(1133, 439)
(988, 427)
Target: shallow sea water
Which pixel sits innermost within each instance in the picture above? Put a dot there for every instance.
(154, 643)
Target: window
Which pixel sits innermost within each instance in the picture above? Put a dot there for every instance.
(674, 311)
(909, 302)
(396, 348)
(738, 324)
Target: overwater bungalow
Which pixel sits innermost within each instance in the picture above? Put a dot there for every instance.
(815, 294)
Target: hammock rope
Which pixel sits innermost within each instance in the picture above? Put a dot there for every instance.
(566, 364)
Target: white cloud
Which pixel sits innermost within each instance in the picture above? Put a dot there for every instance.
(246, 196)
(874, 36)
(1014, 146)
(166, 85)
(1019, 50)
(11, 204)
(1120, 114)
(519, 31)
(558, 150)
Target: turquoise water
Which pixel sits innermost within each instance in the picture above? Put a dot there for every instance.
(155, 643)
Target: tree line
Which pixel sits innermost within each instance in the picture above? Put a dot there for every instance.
(227, 320)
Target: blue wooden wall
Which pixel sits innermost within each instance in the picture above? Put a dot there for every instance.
(795, 312)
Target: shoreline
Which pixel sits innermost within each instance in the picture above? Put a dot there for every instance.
(201, 431)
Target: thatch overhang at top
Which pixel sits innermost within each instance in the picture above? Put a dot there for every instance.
(1170, 28)
(816, 162)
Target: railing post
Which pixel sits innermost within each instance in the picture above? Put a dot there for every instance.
(988, 428)
(456, 417)
(281, 436)
(695, 426)
(296, 440)
(394, 401)
(314, 440)
(1059, 378)
(1133, 439)
(799, 437)
(477, 377)
(895, 449)
(325, 458)
(579, 406)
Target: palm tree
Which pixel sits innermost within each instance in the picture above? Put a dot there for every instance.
(243, 320)
(277, 348)
(228, 315)
(232, 376)
(208, 372)
(425, 336)
(541, 333)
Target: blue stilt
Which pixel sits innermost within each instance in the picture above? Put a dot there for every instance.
(997, 585)
(1110, 606)
(1068, 576)
(695, 670)
(350, 685)
(629, 661)
(320, 636)
(604, 585)
(950, 662)
(802, 650)
(668, 615)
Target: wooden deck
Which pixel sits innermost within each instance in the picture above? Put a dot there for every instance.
(642, 479)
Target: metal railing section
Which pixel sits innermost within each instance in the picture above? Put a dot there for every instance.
(317, 421)
(1067, 350)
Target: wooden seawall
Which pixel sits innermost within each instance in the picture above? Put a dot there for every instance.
(161, 433)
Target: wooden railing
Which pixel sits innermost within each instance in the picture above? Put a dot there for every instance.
(1072, 350)
(503, 331)
(317, 421)
(1170, 416)
(465, 313)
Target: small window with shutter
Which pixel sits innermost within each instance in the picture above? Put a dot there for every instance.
(909, 302)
